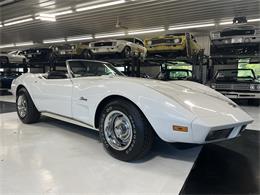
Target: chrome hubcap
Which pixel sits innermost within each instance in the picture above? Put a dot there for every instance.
(22, 106)
(118, 130)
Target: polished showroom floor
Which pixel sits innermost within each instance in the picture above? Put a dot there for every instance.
(53, 157)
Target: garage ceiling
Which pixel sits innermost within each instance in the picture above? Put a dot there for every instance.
(133, 14)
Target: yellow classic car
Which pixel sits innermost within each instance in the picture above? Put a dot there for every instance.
(178, 44)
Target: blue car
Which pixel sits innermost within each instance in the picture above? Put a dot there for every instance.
(6, 80)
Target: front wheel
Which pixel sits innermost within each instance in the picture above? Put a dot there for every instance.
(26, 110)
(124, 131)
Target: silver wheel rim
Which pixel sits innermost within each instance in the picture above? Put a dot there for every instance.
(22, 106)
(118, 130)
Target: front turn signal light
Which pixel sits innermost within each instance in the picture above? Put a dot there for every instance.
(180, 128)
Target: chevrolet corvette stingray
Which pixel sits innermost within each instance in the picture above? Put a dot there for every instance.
(128, 112)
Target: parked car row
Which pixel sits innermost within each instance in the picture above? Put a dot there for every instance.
(170, 45)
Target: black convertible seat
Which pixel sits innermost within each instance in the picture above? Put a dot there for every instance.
(57, 75)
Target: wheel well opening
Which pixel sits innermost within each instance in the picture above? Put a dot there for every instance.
(105, 101)
(19, 87)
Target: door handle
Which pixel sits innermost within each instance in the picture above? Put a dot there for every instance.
(83, 99)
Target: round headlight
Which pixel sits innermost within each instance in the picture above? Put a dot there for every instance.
(149, 42)
(213, 86)
(226, 41)
(177, 41)
(252, 87)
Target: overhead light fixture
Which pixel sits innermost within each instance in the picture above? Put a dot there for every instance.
(46, 17)
(118, 34)
(51, 16)
(62, 13)
(1, 25)
(60, 40)
(191, 26)
(79, 38)
(18, 22)
(100, 5)
(254, 20)
(144, 31)
(24, 44)
(6, 46)
(47, 3)
(225, 23)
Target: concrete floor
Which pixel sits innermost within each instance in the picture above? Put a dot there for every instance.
(53, 157)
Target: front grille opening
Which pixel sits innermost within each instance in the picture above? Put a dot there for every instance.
(243, 128)
(218, 134)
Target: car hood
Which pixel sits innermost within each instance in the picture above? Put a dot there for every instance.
(199, 99)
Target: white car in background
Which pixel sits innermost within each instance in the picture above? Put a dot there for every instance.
(126, 47)
(14, 57)
(128, 112)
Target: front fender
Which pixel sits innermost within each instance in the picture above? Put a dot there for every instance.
(161, 111)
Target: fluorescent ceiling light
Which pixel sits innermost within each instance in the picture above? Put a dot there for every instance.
(46, 17)
(225, 23)
(1, 25)
(24, 44)
(18, 22)
(51, 16)
(254, 20)
(60, 40)
(191, 26)
(7, 45)
(46, 3)
(100, 5)
(79, 38)
(62, 13)
(100, 36)
(91, 3)
(144, 31)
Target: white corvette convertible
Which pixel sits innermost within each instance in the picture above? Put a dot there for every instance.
(128, 112)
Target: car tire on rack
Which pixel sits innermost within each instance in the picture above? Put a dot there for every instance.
(4, 60)
(25, 107)
(124, 131)
(87, 54)
(127, 52)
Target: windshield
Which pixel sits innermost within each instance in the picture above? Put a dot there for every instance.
(235, 75)
(83, 68)
(177, 74)
(13, 52)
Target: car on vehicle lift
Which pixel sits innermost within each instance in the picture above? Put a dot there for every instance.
(239, 38)
(123, 48)
(39, 55)
(237, 84)
(172, 45)
(14, 57)
(175, 74)
(128, 112)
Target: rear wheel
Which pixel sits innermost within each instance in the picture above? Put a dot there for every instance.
(124, 131)
(86, 54)
(126, 52)
(25, 107)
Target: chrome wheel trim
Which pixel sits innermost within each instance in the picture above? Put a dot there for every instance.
(118, 130)
(22, 106)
